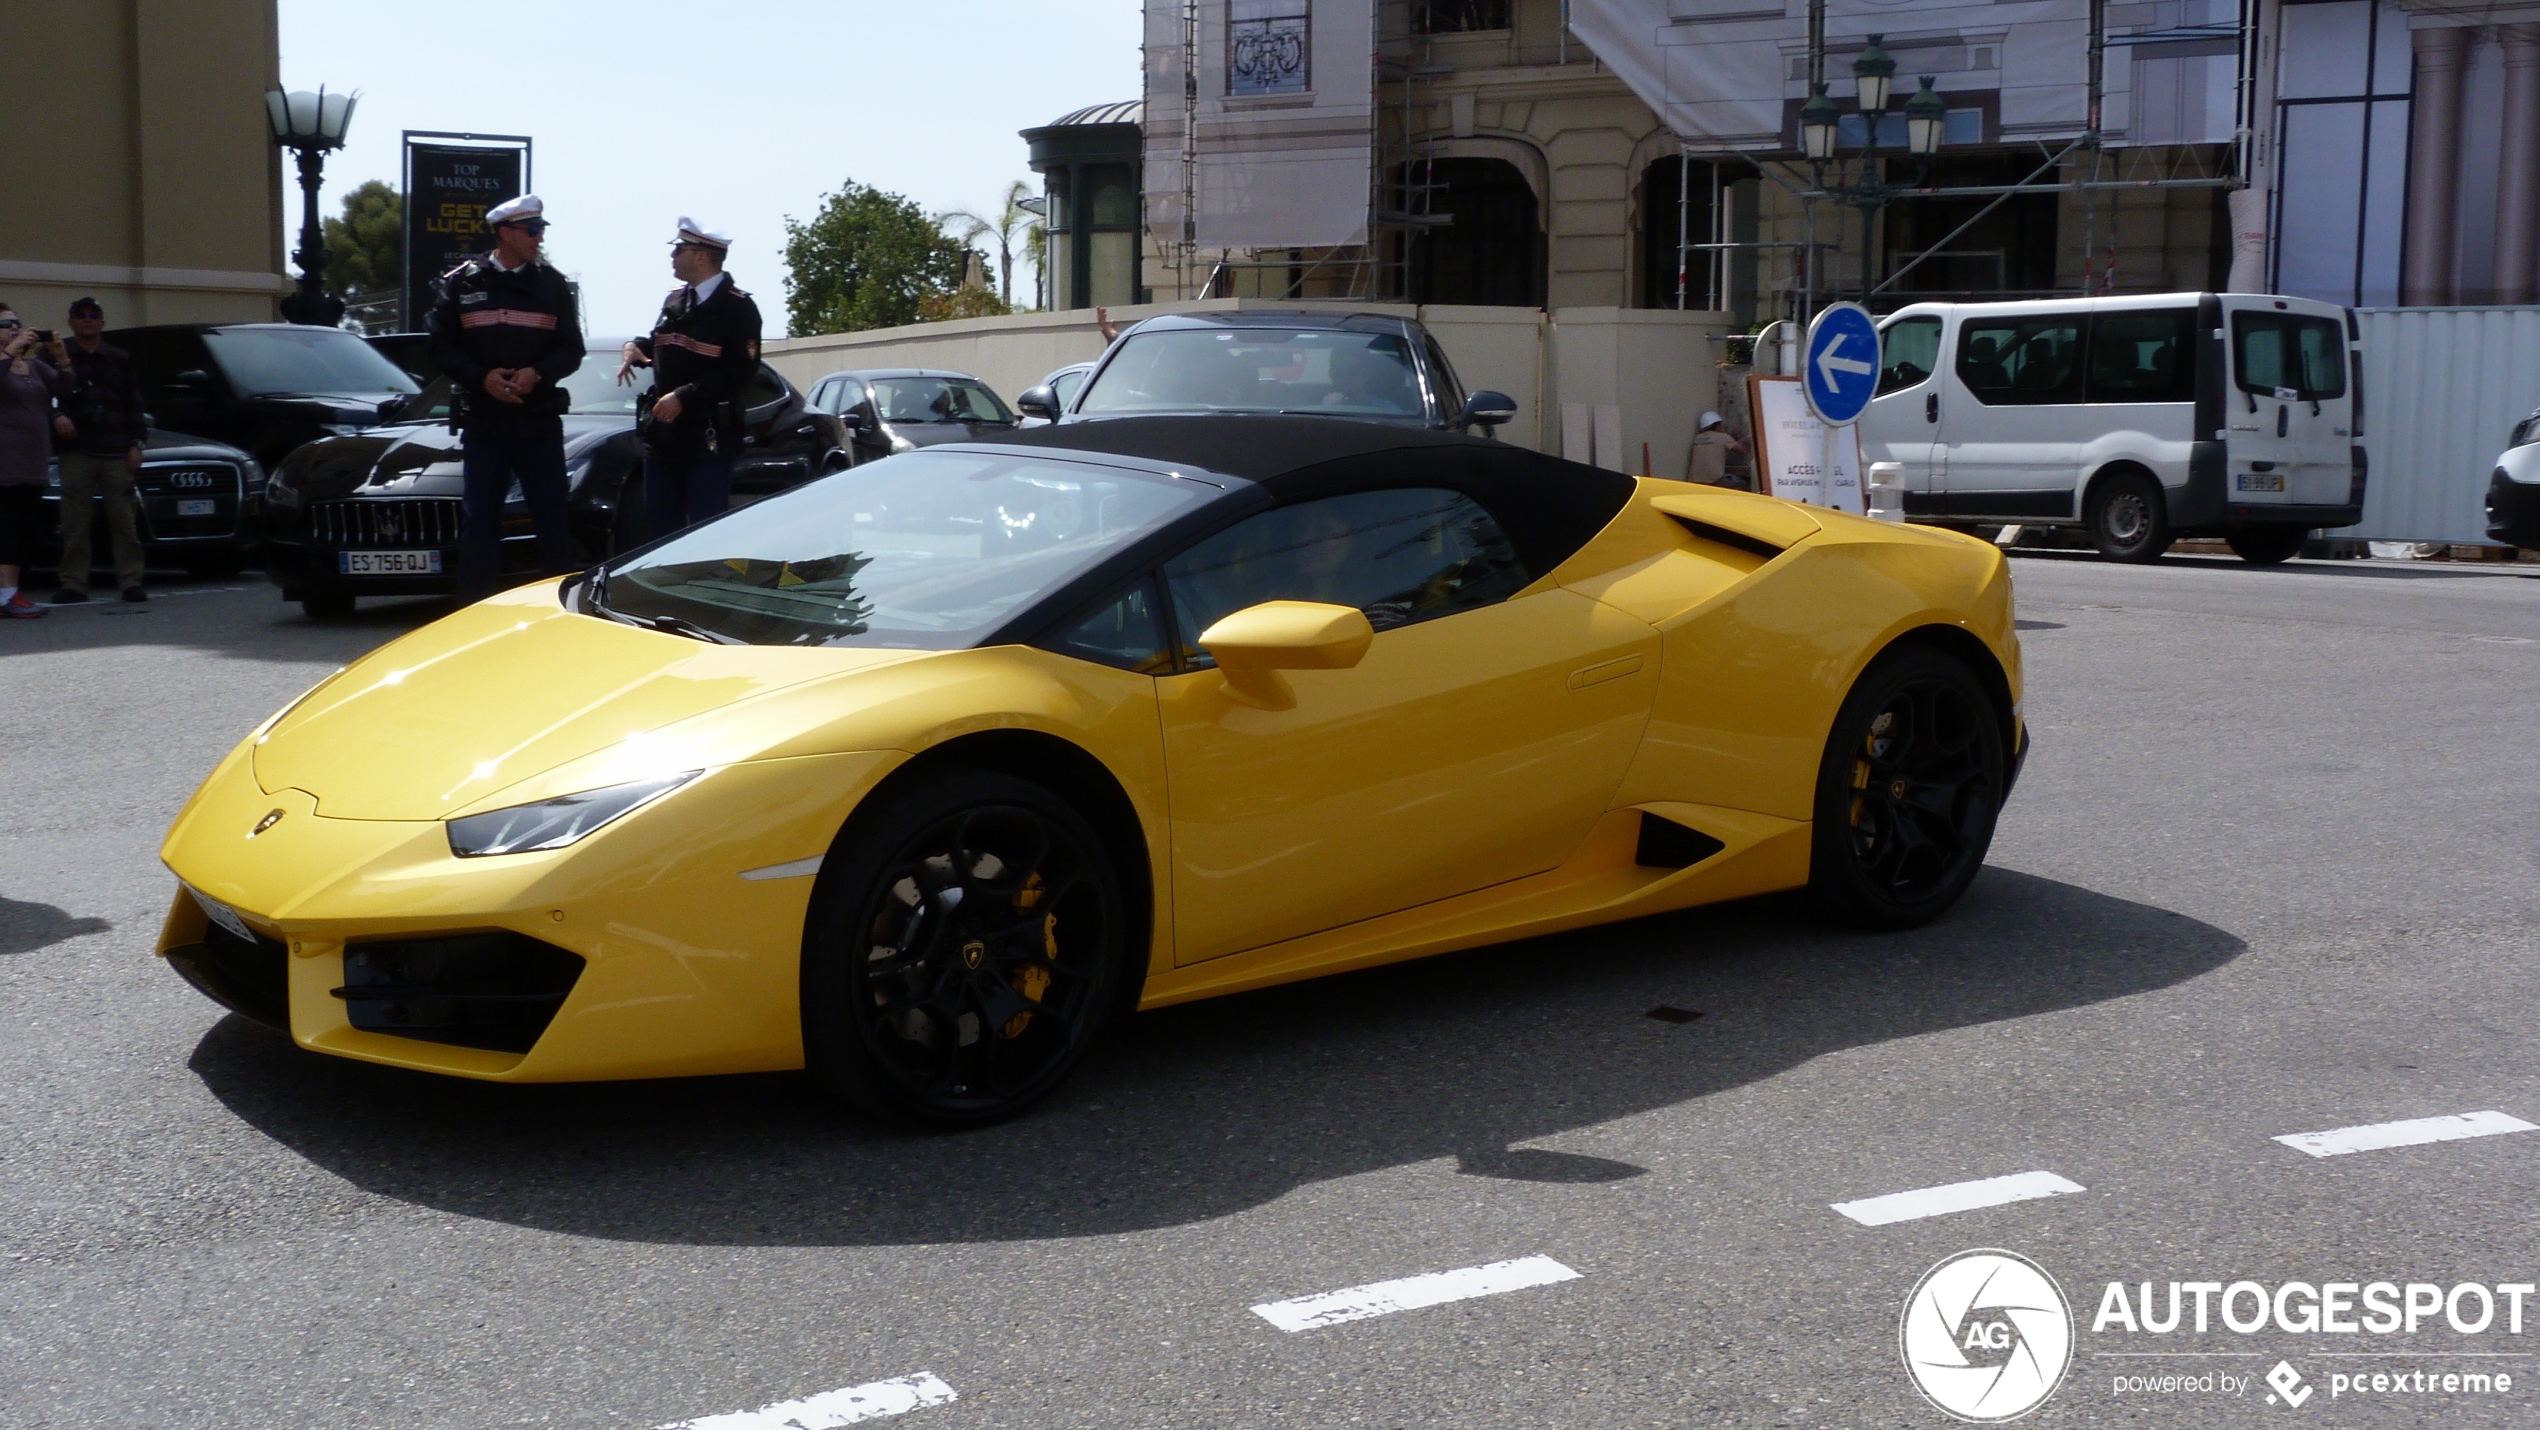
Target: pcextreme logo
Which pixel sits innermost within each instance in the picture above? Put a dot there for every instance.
(1987, 1336)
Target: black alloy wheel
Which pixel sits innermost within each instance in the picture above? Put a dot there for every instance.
(2129, 518)
(2267, 545)
(968, 944)
(1912, 781)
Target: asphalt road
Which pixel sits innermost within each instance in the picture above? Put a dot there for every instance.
(2272, 870)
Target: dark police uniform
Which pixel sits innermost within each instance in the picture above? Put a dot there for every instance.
(705, 350)
(489, 318)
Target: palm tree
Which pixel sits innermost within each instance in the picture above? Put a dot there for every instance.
(1013, 224)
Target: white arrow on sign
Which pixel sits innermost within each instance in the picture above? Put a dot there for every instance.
(1828, 364)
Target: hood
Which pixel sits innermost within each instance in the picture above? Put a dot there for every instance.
(343, 409)
(506, 690)
(410, 459)
(160, 444)
(935, 434)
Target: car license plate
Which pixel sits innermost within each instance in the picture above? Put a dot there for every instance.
(204, 507)
(2261, 481)
(388, 563)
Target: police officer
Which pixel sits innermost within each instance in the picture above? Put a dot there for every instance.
(703, 350)
(508, 333)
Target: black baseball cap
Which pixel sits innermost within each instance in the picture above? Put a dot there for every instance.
(87, 305)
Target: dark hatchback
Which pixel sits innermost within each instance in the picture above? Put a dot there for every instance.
(377, 513)
(900, 409)
(264, 387)
(1366, 367)
(198, 506)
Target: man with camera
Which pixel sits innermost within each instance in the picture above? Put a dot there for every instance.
(102, 455)
(507, 331)
(704, 350)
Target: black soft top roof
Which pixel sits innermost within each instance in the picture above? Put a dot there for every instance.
(1548, 506)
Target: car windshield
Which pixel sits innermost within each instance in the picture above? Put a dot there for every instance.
(592, 388)
(1322, 373)
(276, 360)
(937, 399)
(927, 551)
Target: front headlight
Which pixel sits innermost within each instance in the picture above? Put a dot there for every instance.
(280, 492)
(901, 444)
(555, 823)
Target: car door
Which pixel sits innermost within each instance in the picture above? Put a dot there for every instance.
(1475, 743)
(180, 387)
(2287, 410)
(1902, 424)
(2013, 415)
(771, 458)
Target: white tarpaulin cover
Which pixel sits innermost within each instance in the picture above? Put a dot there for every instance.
(1731, 74)
(1286, 107)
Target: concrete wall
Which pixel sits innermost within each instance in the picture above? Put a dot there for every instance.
(148, 178)
(1660, 367)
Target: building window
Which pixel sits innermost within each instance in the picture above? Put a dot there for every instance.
(1269, 47)
(1457, 17)
(1492, 250)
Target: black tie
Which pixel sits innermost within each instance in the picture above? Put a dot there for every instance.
(688, 297)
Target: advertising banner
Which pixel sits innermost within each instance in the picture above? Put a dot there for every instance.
(1792, 458)
(448, 189)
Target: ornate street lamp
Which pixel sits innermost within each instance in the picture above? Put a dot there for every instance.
(1817, 121)
(1871, 72)
(312, 124)
(1926, 116)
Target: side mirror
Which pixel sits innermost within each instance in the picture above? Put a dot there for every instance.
(193, 379)
(1254, 644)
(854, 421)
(1039, 402)
(1486, 409)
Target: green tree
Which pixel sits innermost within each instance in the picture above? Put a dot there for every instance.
(366, 248)
(867, 259)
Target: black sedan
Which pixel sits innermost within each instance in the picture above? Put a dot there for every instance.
(198, 501)
(266, 387)
(900, 409)
(1367, 367)
(377, 513)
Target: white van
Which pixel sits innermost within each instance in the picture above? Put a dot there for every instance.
(2143, 418)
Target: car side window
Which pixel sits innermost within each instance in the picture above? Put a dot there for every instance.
(763, 389)
(1123, 633)
(1403, 556)
(1909, 352)
(2013, 362)
(2143, 356)
(1063, 387)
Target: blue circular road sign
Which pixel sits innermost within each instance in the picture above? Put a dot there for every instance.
(1841, 371)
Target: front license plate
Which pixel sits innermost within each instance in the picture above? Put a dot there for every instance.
(203, 507)
(388, 563)
(2261, 481)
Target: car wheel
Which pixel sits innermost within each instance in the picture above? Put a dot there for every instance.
(325, 603)
(967, 944)
(2267, 545)
(2129, 519)
(1906, 798)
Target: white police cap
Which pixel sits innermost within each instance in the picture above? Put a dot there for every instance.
(526, 206)
(691, 231)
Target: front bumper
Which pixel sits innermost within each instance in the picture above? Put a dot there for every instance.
(2513, 511)
(686, 967)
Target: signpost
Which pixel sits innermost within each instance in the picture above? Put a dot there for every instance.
(1806, 448)
(451, 180)
(1839, 370)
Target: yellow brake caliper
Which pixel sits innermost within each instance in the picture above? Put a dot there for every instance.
(1030, 982)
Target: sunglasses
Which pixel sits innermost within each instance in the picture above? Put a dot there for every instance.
(535, 225)
(11, 323)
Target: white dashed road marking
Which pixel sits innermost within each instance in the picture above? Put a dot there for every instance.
(1956, 1197)
(2417, 1130)
(1357, 1303)
(833, 1408)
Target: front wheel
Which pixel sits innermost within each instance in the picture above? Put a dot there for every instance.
(1912, 780)
(967, 943)
(2267, 545)
(2129, 518)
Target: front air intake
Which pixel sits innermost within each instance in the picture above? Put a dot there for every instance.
(248, 976)
(1665, 844)
(496, 991)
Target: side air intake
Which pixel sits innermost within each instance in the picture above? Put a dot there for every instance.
(1665, 844)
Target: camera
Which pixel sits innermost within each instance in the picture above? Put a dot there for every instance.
(44, 335)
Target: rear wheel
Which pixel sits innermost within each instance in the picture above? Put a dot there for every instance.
(2128, 518)
(2267, 545)
(326, 603)
(1912, 780)
(967, 944)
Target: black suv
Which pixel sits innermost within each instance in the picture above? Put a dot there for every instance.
(265, 387)
(376, 513)
(1366, 367)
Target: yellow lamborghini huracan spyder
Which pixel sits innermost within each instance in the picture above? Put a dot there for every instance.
(919, 773)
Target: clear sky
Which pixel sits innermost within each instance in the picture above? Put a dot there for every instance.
(741, 113)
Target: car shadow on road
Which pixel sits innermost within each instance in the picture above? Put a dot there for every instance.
(1203, 1110)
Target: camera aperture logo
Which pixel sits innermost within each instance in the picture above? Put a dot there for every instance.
(1987, 1336)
